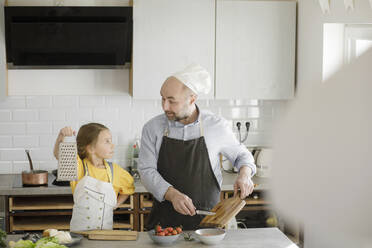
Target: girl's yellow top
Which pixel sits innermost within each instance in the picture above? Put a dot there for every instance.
(123, 182)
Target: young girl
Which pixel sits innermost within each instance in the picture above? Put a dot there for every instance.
(101, 186)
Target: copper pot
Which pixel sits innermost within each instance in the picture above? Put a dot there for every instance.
(34, 177)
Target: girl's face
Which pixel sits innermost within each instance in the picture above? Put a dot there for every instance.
(103, 148)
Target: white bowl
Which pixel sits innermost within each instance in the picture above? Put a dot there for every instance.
(162, 240)
(210, 236)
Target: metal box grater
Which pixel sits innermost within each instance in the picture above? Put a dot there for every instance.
(67, 162)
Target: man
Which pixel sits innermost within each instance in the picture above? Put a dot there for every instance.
(179, 154)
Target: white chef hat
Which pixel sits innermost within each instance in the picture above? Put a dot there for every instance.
(196, 78)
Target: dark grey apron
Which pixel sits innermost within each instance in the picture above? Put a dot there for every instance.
(186, 166)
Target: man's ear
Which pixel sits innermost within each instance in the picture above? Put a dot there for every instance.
(193, 98)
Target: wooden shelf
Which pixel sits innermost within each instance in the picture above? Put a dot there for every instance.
(42, 213)
(122, 211)
(128, 204)
(36, 213)
(251, 201)
(257, 198)
(40, 203)
(39, 223)
(256, 208)
(52, 202)
(147, 211)
(143, 219)
(146, 201)
(125, 224)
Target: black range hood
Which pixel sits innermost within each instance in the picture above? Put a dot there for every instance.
(68, 36)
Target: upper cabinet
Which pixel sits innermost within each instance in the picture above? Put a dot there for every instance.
(255, 49)
(3, 71)
(168, 35)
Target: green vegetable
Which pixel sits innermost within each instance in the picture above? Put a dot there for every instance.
(22, 244)
(188, 236)
(46, 242)
(52, 245)
(2, 238)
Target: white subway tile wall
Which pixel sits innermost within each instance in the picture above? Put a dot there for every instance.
(25, 115)
(6, 141)
(6, 167)
(33, 123)
(13, 103)
(39, 127)
(91, 101)
(11, 128)
(23, 141)
(111, 114)
(5, 115)
(80, 114)
(19, 166)
(65, 101)
(52, 114)
(39, 101)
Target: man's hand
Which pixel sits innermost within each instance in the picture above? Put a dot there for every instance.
(181, 202)
(244, 182)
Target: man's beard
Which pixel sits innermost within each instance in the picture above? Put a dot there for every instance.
(175, 117)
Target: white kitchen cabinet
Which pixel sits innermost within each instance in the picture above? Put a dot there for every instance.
(168, 35)
(255, 49)
(3, 71)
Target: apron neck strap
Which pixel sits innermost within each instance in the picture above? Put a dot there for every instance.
(166, 131)
(86, 171)
(111, 177)
(112, 171)
(201, 128)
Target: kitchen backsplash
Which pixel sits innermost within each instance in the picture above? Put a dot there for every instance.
(33, 122)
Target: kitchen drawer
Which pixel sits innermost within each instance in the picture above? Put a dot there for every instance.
(41, 220)
(143, 220)
(146, 201)
(26, 203)
(128, 204)
(124, 221)
(22, 203)
(36, 213)
(38, 223)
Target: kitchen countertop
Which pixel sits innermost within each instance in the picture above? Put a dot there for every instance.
(253, 237)
(6, 186)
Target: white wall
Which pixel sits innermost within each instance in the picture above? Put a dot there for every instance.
(310, 34)
(41, 102)
(33, 122)
(310, 51)
(68, 82)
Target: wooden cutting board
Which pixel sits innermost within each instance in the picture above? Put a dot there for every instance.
(110, 234)
(225, 210)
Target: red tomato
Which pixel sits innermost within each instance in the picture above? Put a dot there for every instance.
(160, 234)
(158, 228)
(168, 234)
(170, 229)
(174, 232)
(178, 229)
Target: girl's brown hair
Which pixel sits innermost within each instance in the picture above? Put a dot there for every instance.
(88, 135)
